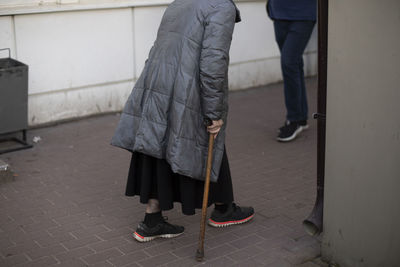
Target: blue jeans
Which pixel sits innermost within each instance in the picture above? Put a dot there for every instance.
(292, 38)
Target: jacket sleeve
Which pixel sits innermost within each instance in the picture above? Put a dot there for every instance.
(214, 59)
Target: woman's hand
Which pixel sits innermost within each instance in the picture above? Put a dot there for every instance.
(215, 127)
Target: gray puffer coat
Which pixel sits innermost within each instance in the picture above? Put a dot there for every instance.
(184, 81)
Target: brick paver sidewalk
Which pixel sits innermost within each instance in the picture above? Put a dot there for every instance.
(66, 206)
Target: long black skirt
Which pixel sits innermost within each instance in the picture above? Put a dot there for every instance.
(152, 178)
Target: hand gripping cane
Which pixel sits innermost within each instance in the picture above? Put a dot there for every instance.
(200, 249)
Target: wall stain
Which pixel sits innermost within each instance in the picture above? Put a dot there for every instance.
(341, 234)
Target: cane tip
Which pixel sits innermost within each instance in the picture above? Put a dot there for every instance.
(199, 255)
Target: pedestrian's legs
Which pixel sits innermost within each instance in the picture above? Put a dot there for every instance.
(154, 225)
(292, 49)
(281, 28)
(153, 214)
(223, 190)
(153, 206)
(226, 212)
(304, 104)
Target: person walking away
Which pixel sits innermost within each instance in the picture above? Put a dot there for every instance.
(184, 82)
(294, 21)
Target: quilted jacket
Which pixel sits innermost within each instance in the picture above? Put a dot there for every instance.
(184, 81)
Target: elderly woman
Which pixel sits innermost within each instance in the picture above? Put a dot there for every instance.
(184, 82)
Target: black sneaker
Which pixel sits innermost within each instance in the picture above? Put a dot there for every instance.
(234, 215)
(302, 123)
(290, 130)
(163, 229)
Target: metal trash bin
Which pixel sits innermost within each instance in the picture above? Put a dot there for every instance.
(13, 102)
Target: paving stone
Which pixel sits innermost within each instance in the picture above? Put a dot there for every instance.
(128, 259)
(267, 257)
(101, 264)
(188, 239)
(223, 250)
(64, 229)
(280, 263)
(188, 261)
(164, 247)
(6, 175)
(246, 241)
(72, 218)
(6, 243)
(102, 256)
(133, 246)
(103, 245)
(187, 251)
(318, 261)
(42, 262)
(67, 204)
(81, 242)
(133, 264)
(19, 249)
(47, 241)
(302, 255)
(82, 232)
(249, 263)
(125, 231)
(41, 252)
(218, 240)
(74, 254)
(308, 264)
(72, 262)
(158, 260)
(273, 243)
(13, 260)
(245, 253)
(220, 262)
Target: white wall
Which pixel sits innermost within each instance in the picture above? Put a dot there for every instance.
(362, 174)
(80, 62)
(84, 58)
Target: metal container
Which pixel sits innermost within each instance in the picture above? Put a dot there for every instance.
(13, 95)
(13, 103)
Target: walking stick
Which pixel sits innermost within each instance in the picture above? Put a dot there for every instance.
(200, 249)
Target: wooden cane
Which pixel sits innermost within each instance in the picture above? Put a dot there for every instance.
(200, 249)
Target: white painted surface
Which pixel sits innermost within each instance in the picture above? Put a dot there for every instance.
(74, 49)
(25, 2)
(362, 200)
(20, 7)
(7, 36)
(82, 60)
(253, 38)
(254, 73)
(61, 105)
(67, 1)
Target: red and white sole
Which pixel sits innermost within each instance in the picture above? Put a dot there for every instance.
(140, 238)
(228, 223)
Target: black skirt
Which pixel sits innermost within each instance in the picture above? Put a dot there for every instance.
(150, 177)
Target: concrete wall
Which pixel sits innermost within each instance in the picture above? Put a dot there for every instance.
(362, 188)
(85, 57)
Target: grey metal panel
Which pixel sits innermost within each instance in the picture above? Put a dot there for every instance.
(13, 95)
